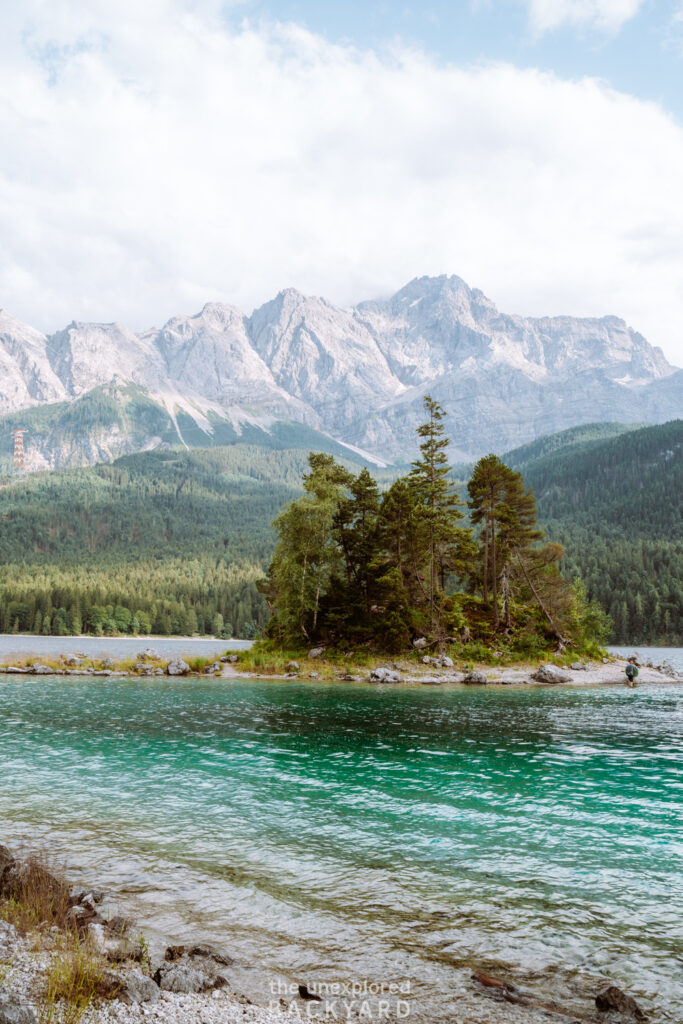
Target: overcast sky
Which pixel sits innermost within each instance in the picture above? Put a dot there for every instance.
(158, 154)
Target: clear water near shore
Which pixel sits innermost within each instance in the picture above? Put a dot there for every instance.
(337, 833)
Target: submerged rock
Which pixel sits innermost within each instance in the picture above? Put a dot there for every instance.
(550, 674)
(612, 998)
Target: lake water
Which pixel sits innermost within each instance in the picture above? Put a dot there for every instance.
(119, 647)
(656, 655)
(333, 832)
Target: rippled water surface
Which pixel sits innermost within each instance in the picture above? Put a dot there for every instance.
(337, 832)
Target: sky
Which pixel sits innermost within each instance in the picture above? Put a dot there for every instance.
(155, 156)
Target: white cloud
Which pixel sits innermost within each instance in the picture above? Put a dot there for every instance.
(153, 159)
(607, 15)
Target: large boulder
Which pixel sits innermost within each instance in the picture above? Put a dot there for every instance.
(132, 988)
(475, 679)
(385, 675)
(177, 667)
(149, 654)
(550, 674)
(43, 670)
(139, 988)
(14, 1010)
(182, 977)
(420, 643)
(316, 652)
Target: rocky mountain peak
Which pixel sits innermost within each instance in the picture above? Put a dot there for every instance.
(360, 374)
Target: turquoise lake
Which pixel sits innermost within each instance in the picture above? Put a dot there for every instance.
(337, 832)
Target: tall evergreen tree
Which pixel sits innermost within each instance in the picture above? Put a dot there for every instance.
(437, 504)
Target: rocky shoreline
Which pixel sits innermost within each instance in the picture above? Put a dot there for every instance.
(428, 670)
(441, 671)
(194, 983)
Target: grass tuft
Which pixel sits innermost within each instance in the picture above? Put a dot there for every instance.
(36, 895)
(74, 980)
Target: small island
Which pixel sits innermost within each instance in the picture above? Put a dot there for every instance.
(386, 573)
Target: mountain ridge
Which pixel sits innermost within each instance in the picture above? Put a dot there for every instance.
(358, 374)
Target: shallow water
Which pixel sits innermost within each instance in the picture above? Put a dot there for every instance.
(337, 832)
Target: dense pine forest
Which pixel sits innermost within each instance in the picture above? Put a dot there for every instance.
(615, 505)
(175, 541)
(166, 542)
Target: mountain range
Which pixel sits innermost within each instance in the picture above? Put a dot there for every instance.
(300, 371)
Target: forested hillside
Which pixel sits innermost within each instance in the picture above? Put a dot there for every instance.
(615, 504)
(174, 541)
(171, 542)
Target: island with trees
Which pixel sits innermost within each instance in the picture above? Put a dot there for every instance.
(416, 565)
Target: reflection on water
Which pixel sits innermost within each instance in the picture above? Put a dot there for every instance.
(344, 832)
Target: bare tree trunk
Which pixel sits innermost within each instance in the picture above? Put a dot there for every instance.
(302, 622)
(494, 573)
(486, 562)
(505, 590)
(315, 609)
(539, 601)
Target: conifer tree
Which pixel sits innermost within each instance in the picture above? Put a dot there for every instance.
(437, 504)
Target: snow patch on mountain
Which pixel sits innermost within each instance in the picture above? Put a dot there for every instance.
(358, 375)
